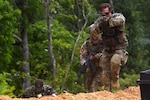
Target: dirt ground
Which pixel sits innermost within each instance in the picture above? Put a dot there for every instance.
(131, 93)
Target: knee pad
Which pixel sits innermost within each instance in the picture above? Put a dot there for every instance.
(115, 63)
(115, 60)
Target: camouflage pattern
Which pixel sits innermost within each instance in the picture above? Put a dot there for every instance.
(97, 82)
(114, 54)
(93, 80)
(117, 19)
(35, 91)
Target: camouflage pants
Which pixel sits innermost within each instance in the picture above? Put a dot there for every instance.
(97, 80)
(111, 64)
(88, 79)
(93, 80)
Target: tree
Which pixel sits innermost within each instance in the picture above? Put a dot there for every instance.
(53, 61)
(23, 30)
(27, 8)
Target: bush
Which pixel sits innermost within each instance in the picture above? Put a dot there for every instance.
(5, 88)
(128, 80)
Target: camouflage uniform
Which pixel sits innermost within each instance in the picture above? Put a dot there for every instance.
(38, 90)
(93, 79)
(114, 53)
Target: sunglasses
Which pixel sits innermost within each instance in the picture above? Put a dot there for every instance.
(104, 14)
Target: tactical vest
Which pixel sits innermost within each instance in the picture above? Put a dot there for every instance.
(113, 37)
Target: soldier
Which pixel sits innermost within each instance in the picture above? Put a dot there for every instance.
(114, 54)
(38, 90)
(93, 79)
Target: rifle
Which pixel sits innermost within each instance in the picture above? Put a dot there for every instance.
(88, 62)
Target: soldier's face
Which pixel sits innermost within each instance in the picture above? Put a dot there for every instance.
(106, 12)
(95, 42)
(95, 39)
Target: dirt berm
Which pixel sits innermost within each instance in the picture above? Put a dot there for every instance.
(131, 93)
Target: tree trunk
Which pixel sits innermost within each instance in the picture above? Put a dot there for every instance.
(26, 67)
(22, 4)
(78, 15)
(53, 61)
(111, 3)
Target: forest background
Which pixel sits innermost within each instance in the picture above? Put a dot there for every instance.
(42, 39)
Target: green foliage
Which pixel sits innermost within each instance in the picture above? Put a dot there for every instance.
(62, 43)
(71, 85)
(8, 19)
(5, 88)
(38, 48)
(129, 80)
(67, 20)
(28, 7)
(72, 15)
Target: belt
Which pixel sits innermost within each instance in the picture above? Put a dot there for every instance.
(110, 49)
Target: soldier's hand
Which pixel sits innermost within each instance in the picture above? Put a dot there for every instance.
(54, 95)
(91, 57)
(97, 56)
(105, 19)
(39, 95)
